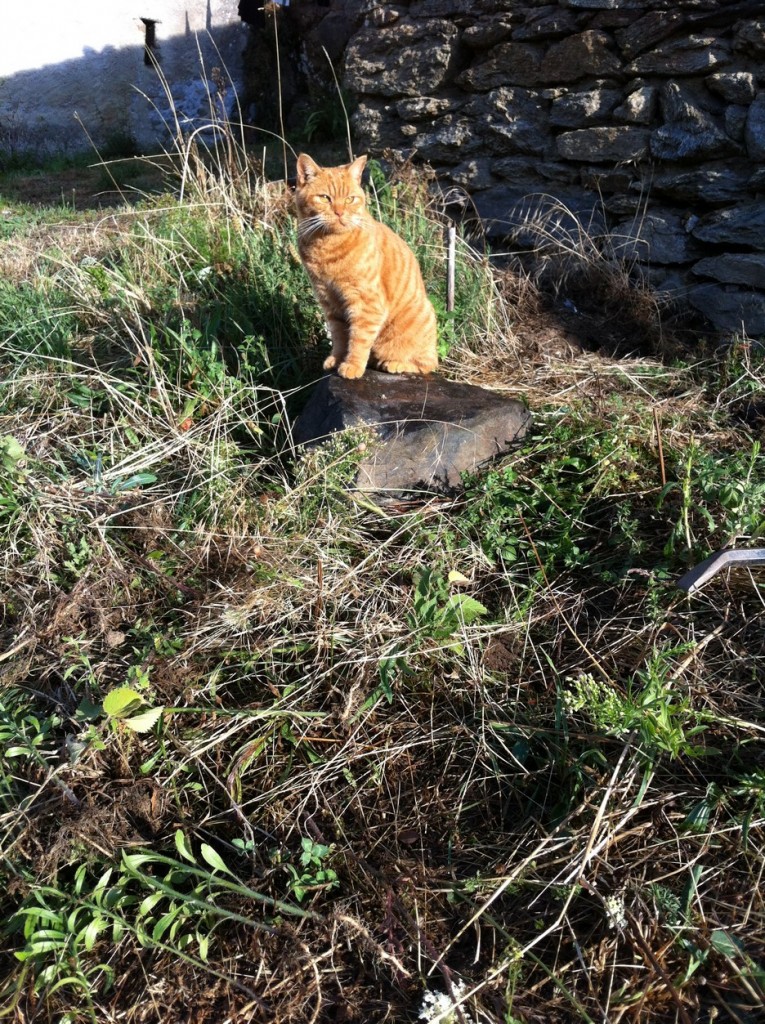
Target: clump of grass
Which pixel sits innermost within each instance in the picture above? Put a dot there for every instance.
(406, 201)
(589, 277)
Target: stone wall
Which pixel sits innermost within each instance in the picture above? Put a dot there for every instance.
(646, 117)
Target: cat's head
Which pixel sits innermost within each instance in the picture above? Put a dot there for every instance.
(330, 199)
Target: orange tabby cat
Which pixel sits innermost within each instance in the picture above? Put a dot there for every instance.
(365, 277)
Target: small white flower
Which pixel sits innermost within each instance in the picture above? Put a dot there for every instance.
(615, 912)
(438, 1008)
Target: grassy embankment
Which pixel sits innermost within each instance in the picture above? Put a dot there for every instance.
(271, 752)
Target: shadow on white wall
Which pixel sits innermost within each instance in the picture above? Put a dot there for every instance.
(140, 93)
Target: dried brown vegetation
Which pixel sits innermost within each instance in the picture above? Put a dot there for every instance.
(482, 747)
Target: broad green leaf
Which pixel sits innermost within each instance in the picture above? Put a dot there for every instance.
(102, 882)
(11, 452)
(164, 923)
(149, 903)
(179, 876)
(114, 896)
(145, 721)
(469, 609)
(725, 943)
(121, 702)
(183, 848)
(214, 859)
(41, 913)
(79, 878)
(46, 946)
(70, 981)
(48, 933)
(134, 861)
(90, 934)
(71, 920)
(697, 818)
(138, 480)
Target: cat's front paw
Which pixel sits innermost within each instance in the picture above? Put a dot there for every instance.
(398, 367)
(329, 363)
(351, 371)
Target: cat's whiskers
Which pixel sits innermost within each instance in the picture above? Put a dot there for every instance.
(311, 225)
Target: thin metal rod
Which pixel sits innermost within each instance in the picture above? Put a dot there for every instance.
(702, 573)
(451, 247)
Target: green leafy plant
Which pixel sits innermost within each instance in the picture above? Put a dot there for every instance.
(60, 931)
(721, 499)
(11, 454)
(28, 749)
(126, 706)
(314, 873)
(663, 719)
(39, 323)
(161, 901)
(439, 614)
(677, 912)
(326, 474)
(327, 121)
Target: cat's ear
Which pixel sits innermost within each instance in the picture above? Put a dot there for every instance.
(307, 169)
(356, 169)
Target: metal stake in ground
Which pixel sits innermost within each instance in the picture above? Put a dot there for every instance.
(451, 242)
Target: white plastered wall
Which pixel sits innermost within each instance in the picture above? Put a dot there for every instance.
(83, 60)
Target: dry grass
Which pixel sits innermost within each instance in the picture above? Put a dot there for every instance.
(488, 837)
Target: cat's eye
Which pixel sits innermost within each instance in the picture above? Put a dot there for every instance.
(325, 198)
(351, 199)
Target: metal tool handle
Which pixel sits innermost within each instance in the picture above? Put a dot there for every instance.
(702, 573)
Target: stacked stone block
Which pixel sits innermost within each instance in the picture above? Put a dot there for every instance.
(643, 116)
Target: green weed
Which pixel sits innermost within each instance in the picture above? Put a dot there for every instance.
(662, 719)
(437, 613)
(721, 500)
(314, 874)
(327, 120)
(554, 505)
(36, 323)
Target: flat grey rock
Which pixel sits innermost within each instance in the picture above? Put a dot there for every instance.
(734, 268)
(656, 238)
(431, 430)
(740, 225)
(719, 182)
(610, 144)
(731, 310)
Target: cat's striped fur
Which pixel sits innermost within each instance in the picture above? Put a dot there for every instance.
(365, 277)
